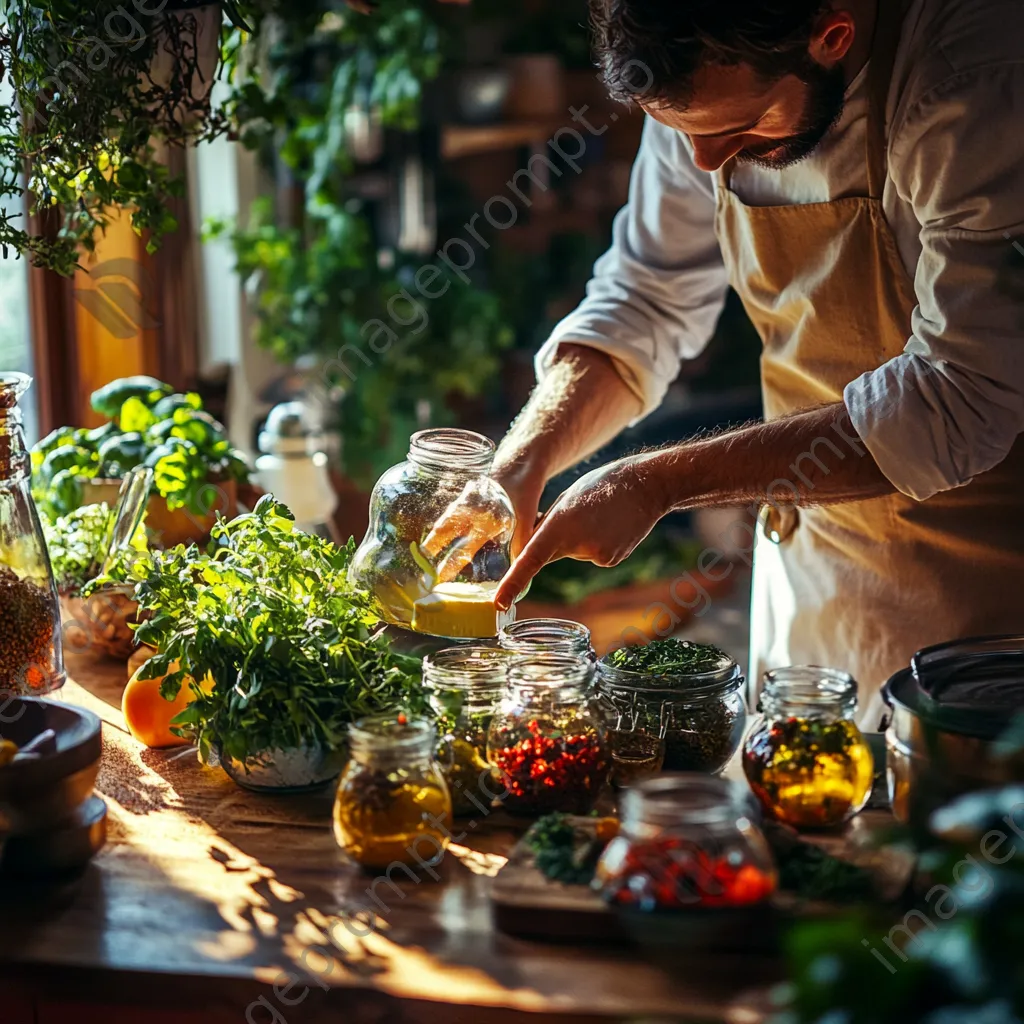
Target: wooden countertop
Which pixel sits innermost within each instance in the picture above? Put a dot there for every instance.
(206, 897)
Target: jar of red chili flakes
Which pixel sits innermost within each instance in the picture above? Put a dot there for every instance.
(686, 841)
(546, 743)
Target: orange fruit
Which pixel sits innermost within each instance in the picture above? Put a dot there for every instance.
(148, 716)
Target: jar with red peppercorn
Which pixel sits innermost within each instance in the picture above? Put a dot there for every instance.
(687, 841)
(31, 656)
(547, 636)
(806, 760)
(546, 743)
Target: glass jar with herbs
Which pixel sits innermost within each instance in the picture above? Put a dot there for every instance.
(806, 760)
(672, 705)
(31, 655)
(392, 803)
(547, 636)
(464, 685)
(546, 743)
(686, 841)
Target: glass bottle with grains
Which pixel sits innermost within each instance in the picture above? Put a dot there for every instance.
(464, 685)
(31, 656)
(392, 804)
(806, 761)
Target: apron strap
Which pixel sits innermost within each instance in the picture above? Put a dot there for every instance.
(886, 42)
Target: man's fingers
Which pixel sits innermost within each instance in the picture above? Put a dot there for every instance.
(541, 549)
(460, 556)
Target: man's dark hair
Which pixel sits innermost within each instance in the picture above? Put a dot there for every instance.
(650, 50)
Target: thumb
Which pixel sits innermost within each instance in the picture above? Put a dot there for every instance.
(540, 549)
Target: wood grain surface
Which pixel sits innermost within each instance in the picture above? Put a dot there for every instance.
(214, 904)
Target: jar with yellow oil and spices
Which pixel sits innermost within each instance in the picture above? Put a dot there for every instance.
(464, 685)
(392, 804)
(807, 761)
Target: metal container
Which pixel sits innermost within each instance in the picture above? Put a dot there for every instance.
(948, 710)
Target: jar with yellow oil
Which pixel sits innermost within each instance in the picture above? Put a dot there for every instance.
(806, 761)
(392, 804)
(438, 539)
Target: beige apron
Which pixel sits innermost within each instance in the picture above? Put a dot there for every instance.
(860, 586)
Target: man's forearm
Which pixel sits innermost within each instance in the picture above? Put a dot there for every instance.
(581, 404)
(811, 458)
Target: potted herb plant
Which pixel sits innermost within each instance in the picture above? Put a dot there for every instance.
(196, 469)
(77, 542)
(290, 647)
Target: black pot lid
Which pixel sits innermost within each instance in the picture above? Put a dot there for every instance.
(974, 687)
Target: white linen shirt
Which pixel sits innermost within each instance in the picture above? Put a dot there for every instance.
(951, 405)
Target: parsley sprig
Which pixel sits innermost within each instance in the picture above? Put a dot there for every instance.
(269, 615)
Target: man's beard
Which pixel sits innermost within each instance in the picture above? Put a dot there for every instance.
(826, 100)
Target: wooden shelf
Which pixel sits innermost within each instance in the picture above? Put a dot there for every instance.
(459, 140)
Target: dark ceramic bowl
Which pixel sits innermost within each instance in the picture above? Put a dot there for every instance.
(41, 794)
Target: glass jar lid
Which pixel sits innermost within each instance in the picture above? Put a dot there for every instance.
(685, 798)
(444, 448)
(562, 636)
(689, 671)
(472, 668)
(396, 735)
(550, 672)
(805, 690)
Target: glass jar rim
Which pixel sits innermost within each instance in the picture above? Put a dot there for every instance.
(549, 671)
(718, 682)
(530, 634)
(686, 798)
(470, 667)
(451, 448)
(394, 733)
(808, 687)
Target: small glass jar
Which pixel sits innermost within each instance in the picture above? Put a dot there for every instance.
(546, 743)
(676, 721)
(686, 841)
(806, 761)
(464, 685)
(547, 636)
(31, 654)
(421, 560)
(392, 804)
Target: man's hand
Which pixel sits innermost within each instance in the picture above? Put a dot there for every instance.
(601, 519)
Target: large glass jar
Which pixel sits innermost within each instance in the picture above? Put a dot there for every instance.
(547, 636)
(392, 803)
(31, 656)
(676, 719)
(422, 559)
(686, 841)
(546, 742)
(464, 685)
(806, 760)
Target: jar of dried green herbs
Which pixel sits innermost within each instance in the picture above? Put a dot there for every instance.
(671, 705)
(464, 685)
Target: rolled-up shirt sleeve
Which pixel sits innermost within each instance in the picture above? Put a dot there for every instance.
(952, 404)
(656, 294)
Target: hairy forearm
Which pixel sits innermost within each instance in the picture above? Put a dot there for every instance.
(811, 458)
(579, 406)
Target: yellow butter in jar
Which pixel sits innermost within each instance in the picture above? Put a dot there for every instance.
(806, 761)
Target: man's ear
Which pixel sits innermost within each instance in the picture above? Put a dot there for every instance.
(833, 37)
